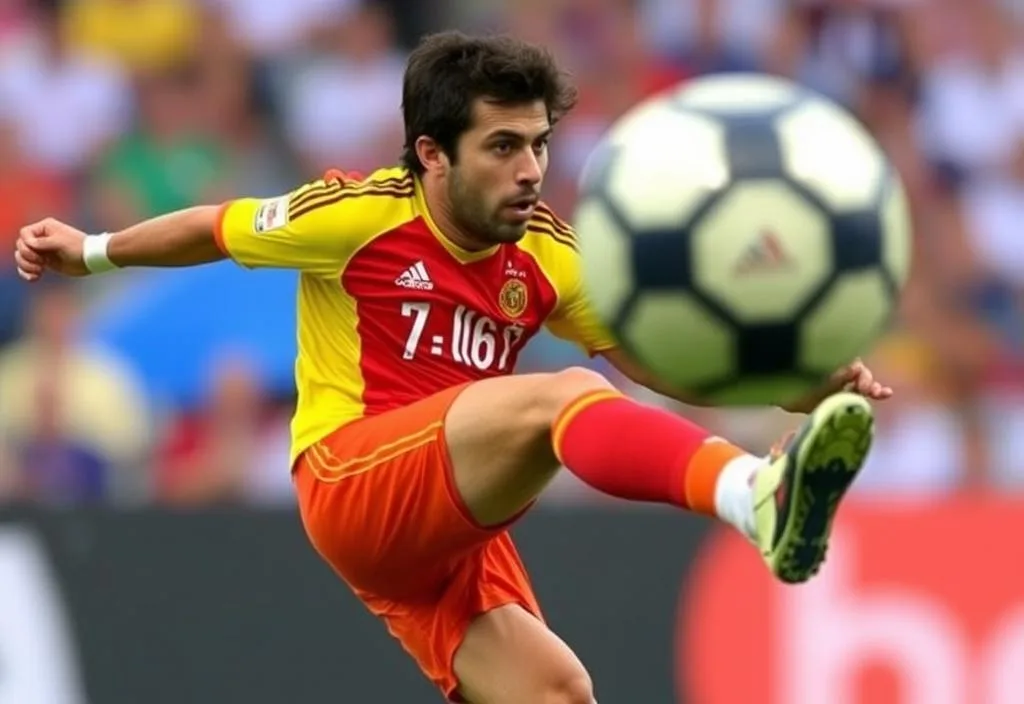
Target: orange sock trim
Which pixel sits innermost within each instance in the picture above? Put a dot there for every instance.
(571, 410)
(702, 473)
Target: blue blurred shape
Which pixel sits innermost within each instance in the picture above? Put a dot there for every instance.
(173, 325)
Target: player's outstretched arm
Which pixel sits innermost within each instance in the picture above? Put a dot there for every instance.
(856, 377)
(178, 239)
(633, 371)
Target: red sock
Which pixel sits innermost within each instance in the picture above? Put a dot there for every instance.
(641, 453)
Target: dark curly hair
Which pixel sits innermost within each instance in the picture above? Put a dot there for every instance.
(448, 72)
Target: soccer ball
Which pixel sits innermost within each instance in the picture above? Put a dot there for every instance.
(742, 237)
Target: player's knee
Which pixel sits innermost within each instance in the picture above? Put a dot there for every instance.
(564, 387)
(550, 394)
(571, 686)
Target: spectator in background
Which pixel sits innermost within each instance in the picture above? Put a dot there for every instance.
(711, 35)
(236, 111)
(73, 422)
(217, 454)
(841, 48)
(343, 108)
(972, 88)
(971, 128)
(169, 161)
(143, 36)
(276, 30)
(28, 192)
(65, 106)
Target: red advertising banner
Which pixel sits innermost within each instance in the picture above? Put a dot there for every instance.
(918, 603)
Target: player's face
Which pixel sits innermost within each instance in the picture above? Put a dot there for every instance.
(495, 183)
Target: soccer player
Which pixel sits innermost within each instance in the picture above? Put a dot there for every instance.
(414, 446)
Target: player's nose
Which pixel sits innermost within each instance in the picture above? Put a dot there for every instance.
(530, 171)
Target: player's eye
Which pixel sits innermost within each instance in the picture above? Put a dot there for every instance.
(502, 148)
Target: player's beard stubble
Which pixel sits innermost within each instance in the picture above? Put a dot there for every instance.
(475, 214)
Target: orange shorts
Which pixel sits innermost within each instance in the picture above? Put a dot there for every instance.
(379, 503)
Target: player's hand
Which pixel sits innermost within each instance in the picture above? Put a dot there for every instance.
(49, 245)
(855, 377)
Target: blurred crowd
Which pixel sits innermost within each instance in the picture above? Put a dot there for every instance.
(116, 110)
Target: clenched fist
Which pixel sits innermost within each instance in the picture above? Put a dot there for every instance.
(49, 245)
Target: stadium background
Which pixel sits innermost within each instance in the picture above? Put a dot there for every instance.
(150, 550)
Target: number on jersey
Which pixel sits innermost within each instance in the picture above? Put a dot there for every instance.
(476, 340)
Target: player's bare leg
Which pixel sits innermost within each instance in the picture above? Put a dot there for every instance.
(508, 657)
(499, 438)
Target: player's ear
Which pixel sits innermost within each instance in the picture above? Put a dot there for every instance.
(431, 155)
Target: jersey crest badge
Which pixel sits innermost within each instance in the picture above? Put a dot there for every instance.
(272, 214)
(512, 298)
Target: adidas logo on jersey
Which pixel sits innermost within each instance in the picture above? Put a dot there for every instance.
(415, 277)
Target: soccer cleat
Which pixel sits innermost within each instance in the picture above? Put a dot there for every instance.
(797, 494)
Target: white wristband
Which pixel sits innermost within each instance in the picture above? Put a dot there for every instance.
(94, 254)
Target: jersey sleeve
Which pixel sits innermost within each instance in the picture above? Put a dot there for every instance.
(314, 229)
(574, 317)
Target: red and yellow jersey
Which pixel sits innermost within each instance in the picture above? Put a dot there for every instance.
(389, 310)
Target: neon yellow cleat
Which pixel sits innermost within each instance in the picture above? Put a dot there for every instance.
(796, 496)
